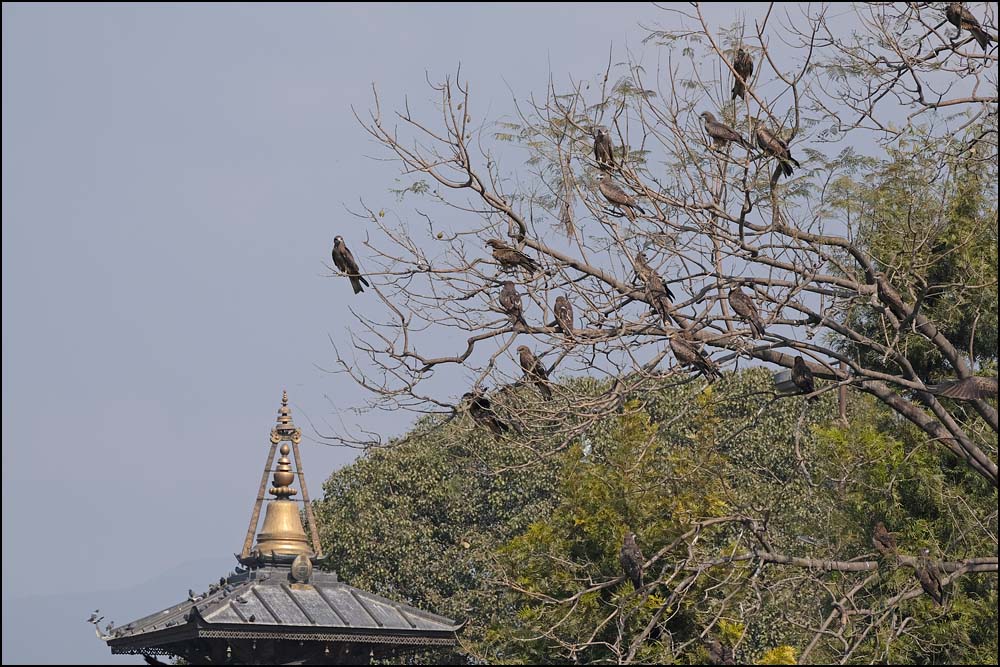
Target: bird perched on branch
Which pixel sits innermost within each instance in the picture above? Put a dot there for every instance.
(631, 560)
(646, 274)
(888, 295)
(721, 133)
(619, 198)
(960, 17)
(743, 65)
(657, 292)
(802, 376)
(883, 540)
(603, 150)
(966, 389)
(689, 356)
(344, 261)
(718, 654)
(660, 298)
(563, 311)
(774, 146)
(481, 411)
(510, 301)
(930, 577)
(744, 306)
(511, 258)
(534, 371)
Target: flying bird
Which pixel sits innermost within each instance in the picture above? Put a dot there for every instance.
(621, 200)
(743, 65)
(776, 147)
(960, 17)
(744, 306)
(883, 540)
(94, 617)
(563, 310)
(150, 660)
(534, 370)
(631, 560)
(688, 355)
(510, 258)
(510, 301)
(802, 376)
(966, 389)
(481, 411)
(344, 261)
(603, 150)
(721, 133)
(930, 577)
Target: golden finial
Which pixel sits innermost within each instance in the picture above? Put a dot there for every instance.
(283, 475)
(282, 531)
(285, 428)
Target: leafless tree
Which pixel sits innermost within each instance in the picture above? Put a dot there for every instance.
(836, 89)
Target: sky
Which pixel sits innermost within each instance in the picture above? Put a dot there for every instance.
(173, 178)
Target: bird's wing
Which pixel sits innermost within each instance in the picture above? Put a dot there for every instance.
(968, 389)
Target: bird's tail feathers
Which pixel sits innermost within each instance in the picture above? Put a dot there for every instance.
(981, 36)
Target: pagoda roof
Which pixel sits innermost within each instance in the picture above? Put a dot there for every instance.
(266, 603)
(281, 595)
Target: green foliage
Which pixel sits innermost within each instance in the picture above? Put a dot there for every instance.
(933, 229)
(526, 547)
(782, 655)
(419, 521)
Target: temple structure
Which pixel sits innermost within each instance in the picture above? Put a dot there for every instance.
(278, 606)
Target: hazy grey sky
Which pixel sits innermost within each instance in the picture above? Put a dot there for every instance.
(173, 178)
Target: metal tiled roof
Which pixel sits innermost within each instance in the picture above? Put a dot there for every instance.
(266, 603)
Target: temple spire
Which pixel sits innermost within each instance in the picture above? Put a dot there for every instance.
(282, 533)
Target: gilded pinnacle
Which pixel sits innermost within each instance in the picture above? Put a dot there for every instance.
(281, 532)
(285, 428)
(283, 475)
